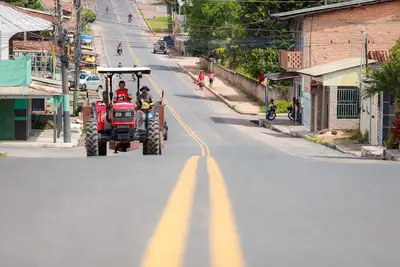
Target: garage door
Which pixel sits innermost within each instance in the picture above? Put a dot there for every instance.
(7, 119)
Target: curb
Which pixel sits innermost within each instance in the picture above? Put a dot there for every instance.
(223, 99)
(330, 145)
(145, 20)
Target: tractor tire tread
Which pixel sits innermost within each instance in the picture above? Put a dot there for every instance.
(91, 140)
(152, 144)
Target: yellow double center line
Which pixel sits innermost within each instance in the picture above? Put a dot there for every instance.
(204, 148)
(167, 245)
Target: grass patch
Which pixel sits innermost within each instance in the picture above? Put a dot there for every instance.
(317, 140)
(3, 154)
(161, 24)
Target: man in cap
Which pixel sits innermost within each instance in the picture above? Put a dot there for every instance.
(145, 100)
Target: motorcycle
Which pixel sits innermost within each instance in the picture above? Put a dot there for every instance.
(119, 51)
(129, 19)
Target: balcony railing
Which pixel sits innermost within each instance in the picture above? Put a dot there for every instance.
(290, 60)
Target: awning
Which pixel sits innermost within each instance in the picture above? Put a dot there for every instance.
(39, 88)
(334, 66)
(13, 21)
(280, 76)
(89, 53)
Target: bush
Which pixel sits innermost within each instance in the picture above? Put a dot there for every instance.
(88, 16)
(282, 105)
(390, 142)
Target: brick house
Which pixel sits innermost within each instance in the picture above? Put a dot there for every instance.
(327, 36)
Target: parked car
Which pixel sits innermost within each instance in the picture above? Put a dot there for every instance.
(71, 75)
(90, 82)
(169, 40)
(161, 47)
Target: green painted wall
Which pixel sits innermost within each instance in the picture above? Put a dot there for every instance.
(21, 119)
(7, 119)
(16, 72)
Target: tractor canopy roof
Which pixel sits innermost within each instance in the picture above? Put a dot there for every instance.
(136, 70)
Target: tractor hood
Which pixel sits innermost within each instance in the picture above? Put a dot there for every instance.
(123, 105)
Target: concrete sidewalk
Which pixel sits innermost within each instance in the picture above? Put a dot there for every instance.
(44, 139)
(283, 125)
(232, 97)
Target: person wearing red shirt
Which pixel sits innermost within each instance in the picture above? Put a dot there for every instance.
(123, 92)
(201, 80)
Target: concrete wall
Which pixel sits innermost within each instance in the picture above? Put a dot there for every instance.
(245, 84)
(15, 72)
(331, 36)
(348, 77)
(334, 122)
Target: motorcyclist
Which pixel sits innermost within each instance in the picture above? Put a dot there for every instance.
(144, 99)
(107, 10)
(271, 106)
(130, 16)
(119, 48)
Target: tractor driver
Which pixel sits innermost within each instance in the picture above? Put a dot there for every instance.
(145, 100)
(123, 92)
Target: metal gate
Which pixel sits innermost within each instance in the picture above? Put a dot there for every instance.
(42, 62)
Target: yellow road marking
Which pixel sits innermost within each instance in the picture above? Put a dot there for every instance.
(225, 248)
(115, 11)
(168, 243)
(204, 147)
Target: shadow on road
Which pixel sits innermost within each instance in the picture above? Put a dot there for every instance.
(337, 157)
(164, 68)
(233, 121)
(211, 98)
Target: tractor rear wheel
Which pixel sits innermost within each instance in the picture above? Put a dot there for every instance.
(91, 141)
(151, 146)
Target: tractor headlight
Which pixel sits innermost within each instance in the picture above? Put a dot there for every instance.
(118, 114)
(128, 114)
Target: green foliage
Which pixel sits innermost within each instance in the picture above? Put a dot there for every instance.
(33, 4)
(48, 125)
(390, 142)
(240, 35)
(160, 24)
(88, 16)
(387, 78)
(282, 105)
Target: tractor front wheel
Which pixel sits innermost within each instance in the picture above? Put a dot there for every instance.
(91, 141)
(152, 145)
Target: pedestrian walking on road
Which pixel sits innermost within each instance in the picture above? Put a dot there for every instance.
(211, 78)
(200, 82)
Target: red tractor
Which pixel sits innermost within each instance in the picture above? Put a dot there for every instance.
(121, 123)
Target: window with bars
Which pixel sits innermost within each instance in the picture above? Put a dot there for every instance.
(348, 102)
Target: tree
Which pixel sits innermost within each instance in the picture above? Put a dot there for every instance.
(33, 4)
(387, 79)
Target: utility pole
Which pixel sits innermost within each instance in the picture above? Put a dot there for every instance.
(64, 75)
(77, 54)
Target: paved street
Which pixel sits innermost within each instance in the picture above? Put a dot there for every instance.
(225, 192)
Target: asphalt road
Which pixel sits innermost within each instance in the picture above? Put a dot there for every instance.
(225, 193)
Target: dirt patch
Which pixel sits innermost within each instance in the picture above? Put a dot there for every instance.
(327, 135)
